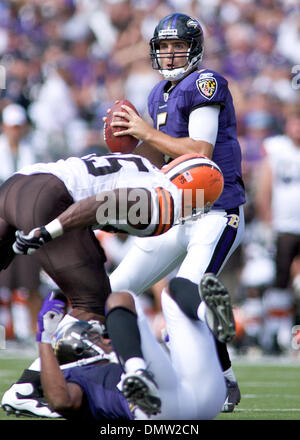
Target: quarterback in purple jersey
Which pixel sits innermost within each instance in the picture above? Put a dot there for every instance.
(172, 112)
(192, 112)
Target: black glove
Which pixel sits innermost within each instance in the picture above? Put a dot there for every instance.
(28, 244)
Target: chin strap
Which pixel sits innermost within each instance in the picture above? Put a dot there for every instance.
(112, 358)
(174, 74)
(196, 214)
(180, 72)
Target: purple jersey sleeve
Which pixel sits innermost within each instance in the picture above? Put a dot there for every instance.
(99, 385)
(207, 88)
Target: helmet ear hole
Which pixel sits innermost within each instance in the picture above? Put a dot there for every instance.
(78, 350)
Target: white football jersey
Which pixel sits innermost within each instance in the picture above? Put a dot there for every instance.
(284, 158)
(90, 175)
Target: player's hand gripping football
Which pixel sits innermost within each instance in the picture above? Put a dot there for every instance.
(131, 123)
(52, 311)
(124, 122)
(28, 244)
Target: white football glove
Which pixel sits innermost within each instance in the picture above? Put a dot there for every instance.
(51, 313)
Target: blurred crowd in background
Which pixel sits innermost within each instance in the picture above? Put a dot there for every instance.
(67, 61)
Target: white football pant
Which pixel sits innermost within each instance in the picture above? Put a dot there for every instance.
(198, 246)
(191, 383)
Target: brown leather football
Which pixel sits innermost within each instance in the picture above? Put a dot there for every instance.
(122, 144)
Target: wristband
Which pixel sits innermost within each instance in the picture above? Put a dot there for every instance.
(54, 228)
(44, 338)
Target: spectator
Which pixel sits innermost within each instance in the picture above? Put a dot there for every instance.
(258, 125)
(19, 284)
(277, 204)
(288, 41)
(15, 149)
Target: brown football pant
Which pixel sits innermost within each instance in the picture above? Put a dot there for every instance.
(75, 261)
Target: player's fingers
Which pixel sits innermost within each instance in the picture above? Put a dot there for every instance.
(128, 109)
(120, 124)
(122, 115)
(120, 133)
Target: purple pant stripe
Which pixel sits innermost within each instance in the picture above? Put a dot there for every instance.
(222, 249)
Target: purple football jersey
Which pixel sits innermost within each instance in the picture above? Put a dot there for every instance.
(102, 398)
(170, 113)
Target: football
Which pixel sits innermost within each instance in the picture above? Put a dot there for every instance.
(123, 144)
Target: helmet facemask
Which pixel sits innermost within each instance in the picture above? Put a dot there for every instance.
(189, 62)
(81, 343)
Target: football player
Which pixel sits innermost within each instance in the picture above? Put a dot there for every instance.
(44, 194)
(192, 112)
(180, 193)
(79, 370)
(81, 376)
(279, 187)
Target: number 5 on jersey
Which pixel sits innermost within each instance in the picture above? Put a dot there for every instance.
(161, 119)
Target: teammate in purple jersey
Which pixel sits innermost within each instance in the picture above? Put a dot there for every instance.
(124, 373)
(99, 383)
(79, 369)
(192, 112)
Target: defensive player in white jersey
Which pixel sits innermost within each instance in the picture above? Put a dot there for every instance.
(37, 194)
(278, 206)
(33, 197)
(40, 199)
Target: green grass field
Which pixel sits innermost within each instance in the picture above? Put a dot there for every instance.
(269, 391)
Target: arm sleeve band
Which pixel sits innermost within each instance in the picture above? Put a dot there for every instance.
(204, 123)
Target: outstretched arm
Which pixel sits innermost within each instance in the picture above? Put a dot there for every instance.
(80, 214)
(137, 211)
(60, 395)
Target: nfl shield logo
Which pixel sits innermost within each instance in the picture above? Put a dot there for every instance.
(207, 87)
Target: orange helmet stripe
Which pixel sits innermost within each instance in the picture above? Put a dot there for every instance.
(166, 211)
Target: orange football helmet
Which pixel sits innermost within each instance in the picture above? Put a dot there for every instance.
(200, 179)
